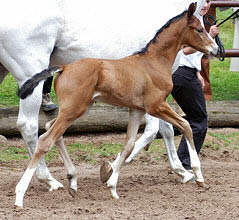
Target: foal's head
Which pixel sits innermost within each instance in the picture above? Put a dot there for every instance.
(196, 36)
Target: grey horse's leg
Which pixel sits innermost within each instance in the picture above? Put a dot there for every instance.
(150, 132)
(167, 132)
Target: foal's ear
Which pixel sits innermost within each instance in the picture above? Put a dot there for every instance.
(191, 9)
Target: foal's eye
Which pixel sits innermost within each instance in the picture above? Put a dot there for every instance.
(200, 30)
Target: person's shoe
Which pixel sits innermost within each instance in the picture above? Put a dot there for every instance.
(47, 104)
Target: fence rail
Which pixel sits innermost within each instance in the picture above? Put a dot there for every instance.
(224, 4)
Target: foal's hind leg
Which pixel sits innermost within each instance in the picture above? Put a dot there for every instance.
(45, 142)
(114, 168)
(164, 111)
(71, 170)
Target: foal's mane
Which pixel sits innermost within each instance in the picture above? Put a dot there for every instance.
(154, 40)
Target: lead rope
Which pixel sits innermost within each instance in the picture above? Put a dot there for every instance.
(210, 20)
(221, 50)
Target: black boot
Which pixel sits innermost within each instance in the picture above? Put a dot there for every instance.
(47, 104)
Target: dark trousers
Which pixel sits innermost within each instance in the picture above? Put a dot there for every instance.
(47, 85)
(187, 91)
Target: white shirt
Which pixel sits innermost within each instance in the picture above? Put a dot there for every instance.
(192, 60)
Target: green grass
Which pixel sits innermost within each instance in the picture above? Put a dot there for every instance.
(8, 90)
(12, 153)
(222, 140)
(90, 153)
(93, 153)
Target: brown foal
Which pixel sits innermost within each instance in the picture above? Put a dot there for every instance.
(141, 82)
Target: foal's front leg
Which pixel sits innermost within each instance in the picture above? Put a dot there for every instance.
(164, 111)
(114, 168)
(153, 125)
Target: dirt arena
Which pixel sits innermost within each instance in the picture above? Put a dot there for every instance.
(147, 188)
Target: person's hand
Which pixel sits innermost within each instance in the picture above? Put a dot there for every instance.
(202, 82)
(214, 31)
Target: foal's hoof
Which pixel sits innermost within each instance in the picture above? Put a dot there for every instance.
(203, 185)
(105, 171)
(72, 192)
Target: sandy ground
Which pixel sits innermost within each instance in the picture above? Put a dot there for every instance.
(146, 187)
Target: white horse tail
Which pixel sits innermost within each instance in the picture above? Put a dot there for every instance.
(29, 86)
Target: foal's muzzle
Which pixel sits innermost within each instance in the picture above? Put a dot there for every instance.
(213, 50)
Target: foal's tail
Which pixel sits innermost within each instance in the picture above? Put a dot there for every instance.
(29, 86)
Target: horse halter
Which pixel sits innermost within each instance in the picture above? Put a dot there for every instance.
(210, 20)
